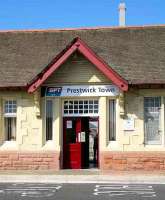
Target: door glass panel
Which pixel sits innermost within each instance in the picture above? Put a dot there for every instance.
(152, 114)
(70, 132)
(112, 120)
(93, 140)
(49, 119)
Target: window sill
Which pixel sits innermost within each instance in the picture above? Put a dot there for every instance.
(113, 145)
(154, 147)
(49, 145)
(9, 145)
(153, 143)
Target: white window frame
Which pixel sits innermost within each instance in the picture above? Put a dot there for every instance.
(115, 117)
(9, 115)
(162, 142)
(45, 100)
(80, 114)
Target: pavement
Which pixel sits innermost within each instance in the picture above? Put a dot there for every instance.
(83, 176)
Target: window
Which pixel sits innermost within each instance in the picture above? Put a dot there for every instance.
(112, 120)
(81, 107)
(152, 119)
(10, 113)
(49, 119)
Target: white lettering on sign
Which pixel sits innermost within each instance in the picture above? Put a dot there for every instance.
(84, 90)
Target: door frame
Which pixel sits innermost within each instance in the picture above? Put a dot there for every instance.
(63, 137)
(98, 153)
(71, 146)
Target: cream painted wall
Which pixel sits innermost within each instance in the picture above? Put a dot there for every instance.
(77, 70)
(56, 142)
(134, 140)
(30, 122)
(129, 104)
(30, 134)
(31, 107)
(102, 123)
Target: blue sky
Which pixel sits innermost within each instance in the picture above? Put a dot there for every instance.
(43, 14)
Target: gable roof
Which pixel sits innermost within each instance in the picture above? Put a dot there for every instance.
(78, 45)
(137, 54)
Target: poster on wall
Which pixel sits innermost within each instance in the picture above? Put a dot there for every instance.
(81, 137)
(82, 90)
(69, 124)
(129, 124)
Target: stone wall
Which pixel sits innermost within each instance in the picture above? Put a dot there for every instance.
(29, 160)
(123, 161)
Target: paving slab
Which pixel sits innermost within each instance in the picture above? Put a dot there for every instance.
(82, 176)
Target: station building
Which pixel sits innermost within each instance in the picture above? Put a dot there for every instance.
(83, 98)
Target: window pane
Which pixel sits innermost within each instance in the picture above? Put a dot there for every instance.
(152, 114)
(10, 128)
(90, 106)
(96, 102)
(81, 110)
(80, 106)
(10, 106)
(49, 119)
(112, 120)
(65, 111)
(76, 102)
(75, 106)
(86, 102)
(75, 111)
(91, 102)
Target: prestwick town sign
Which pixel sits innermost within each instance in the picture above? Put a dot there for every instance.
(82, 90)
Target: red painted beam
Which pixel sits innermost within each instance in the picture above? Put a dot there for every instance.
(53, 68)
(102, 66)
(80, 46)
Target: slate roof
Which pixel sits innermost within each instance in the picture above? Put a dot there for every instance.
(137, 54)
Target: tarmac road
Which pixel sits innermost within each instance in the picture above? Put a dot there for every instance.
(85, 191)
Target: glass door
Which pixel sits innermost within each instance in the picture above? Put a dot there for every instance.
(71, 145)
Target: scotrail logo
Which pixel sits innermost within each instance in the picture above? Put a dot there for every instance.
(54, 91)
